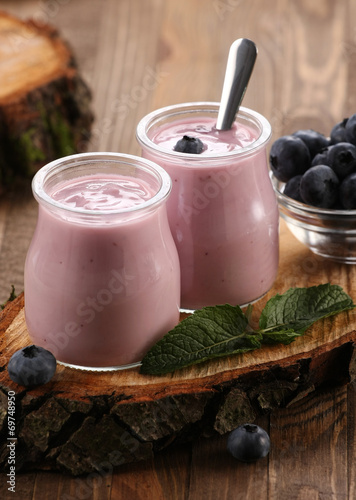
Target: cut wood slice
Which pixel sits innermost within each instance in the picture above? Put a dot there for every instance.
(82, 421)
(44, 102)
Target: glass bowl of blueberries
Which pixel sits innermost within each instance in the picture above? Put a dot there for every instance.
(314, 178)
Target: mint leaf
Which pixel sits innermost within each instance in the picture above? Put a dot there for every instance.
(208, 333)
(279, 337)
(224, 330)
(289, 315)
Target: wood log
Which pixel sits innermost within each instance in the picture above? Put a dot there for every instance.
(83, 422)
(44, 102)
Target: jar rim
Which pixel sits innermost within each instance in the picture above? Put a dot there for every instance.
(81, 159)
(154, 117)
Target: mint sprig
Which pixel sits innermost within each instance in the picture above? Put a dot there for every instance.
(223, 330)
(290, 314)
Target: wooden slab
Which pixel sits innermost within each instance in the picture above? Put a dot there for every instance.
(81, 421)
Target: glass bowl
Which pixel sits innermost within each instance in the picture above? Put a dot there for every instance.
(330, 233)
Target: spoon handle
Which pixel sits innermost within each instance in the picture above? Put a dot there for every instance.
(240, 63)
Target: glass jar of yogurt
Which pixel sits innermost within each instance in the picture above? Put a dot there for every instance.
(222, 212)
(102, 279)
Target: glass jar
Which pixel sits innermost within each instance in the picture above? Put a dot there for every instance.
(102, 284)
(222, 212)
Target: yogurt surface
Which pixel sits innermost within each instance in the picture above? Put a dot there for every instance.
(96, 192)
(215, 141)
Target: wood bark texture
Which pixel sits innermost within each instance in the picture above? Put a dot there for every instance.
(44, 102)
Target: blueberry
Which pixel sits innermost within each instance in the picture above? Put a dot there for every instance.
(348, 192)
(248, 443)
(338, 133)
(341, 157)
(350, 129)
(289, 156)
(321, 157)
(315, 141)
(32, 366)
(188, 144)
(292, 188)
(319, 187)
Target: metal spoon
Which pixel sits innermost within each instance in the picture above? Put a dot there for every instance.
(242, 56)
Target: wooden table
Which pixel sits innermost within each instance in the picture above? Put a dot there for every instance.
(137, 55)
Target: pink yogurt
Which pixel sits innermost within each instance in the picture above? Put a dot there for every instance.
(222, 212)
(102, 280)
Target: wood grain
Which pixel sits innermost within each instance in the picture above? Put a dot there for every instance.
(44, 102)
(305, 76)
(22, 53)
(312, 433)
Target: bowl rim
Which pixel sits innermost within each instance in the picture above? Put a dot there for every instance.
(304, 209)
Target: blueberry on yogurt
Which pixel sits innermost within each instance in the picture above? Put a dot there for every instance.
(187, 144)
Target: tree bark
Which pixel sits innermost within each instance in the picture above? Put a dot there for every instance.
(44, 102)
